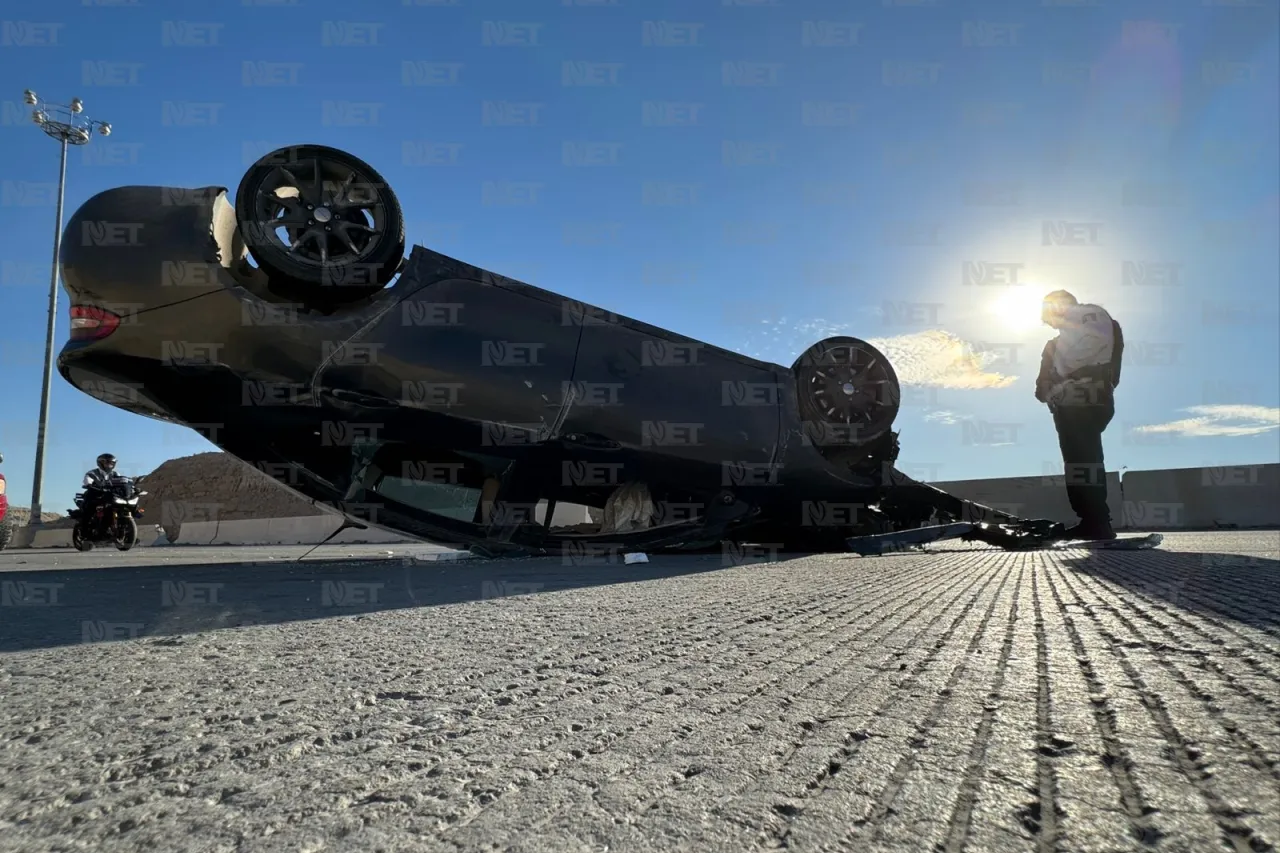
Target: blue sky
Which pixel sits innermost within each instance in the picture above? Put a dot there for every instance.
(753, 174)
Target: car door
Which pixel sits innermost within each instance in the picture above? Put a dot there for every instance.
(464, 348)
(647, 389)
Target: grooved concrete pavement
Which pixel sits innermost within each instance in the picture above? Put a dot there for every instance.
(951, 700)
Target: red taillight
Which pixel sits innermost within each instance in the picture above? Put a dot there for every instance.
(89, 322)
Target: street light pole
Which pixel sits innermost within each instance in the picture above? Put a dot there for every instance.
(34, 519)
(68, 131)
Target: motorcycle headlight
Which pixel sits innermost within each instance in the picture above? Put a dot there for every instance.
(120, 500)
(133, 500)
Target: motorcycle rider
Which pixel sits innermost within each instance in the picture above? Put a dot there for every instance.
(1079, 371)
(95, 483)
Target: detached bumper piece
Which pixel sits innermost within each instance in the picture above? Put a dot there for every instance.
(1017, 536)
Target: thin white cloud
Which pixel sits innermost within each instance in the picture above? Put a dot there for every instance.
(940, 359)
(944, 417)
(930, 358)
(1221, 420)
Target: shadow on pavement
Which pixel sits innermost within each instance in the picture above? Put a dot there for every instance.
(1241, 587)
(45, 609)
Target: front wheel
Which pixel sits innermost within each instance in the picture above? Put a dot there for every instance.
(848, 397)
(126, 533)
(78, 539)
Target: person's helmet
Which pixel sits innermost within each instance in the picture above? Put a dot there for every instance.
(107, 462)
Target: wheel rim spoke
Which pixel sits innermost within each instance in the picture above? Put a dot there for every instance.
(344, 234)
(280, 176)
(308, 234)
(317, 185)
(285, 203)
(294, 213)
(342, 199)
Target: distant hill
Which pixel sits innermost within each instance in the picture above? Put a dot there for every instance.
(19, 515)
(215, 486)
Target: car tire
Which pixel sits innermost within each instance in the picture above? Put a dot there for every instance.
(848, 385)
(323, 226)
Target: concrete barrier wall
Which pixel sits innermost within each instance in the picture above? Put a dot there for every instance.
(371, 536)
(51, 539)
(295, 530)
(1207, 497)
(252, 531)
(1030, 497)
(22, 537)
(564, 516)
(300, 528)
(311, 529)
(27, 537)
(196, 533)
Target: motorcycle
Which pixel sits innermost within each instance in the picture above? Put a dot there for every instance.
(111, 517)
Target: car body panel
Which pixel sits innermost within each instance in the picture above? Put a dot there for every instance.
(141, 248)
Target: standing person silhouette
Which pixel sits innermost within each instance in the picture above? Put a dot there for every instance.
(1079, 372)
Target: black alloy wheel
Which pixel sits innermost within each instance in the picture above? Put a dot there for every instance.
(323, 225)
(850, 385)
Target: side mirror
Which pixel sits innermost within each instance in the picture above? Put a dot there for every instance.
(140, 494)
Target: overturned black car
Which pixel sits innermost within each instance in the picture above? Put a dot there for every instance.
(434, 398)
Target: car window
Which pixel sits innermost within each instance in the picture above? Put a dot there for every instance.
(458, 502)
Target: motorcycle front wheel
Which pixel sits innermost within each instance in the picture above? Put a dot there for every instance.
(126, 533)
(78, 540)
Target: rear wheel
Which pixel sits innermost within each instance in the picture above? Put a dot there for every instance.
(79, 541)
(323, 225)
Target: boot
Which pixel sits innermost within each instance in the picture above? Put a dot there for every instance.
(1091, 530)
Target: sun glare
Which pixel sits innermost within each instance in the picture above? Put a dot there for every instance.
(1018, 307)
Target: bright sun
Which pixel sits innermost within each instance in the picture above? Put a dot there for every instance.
(1018, 307)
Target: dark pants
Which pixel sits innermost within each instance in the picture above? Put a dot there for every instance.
(1080, 429)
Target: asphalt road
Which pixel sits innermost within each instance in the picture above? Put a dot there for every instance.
(959, 699)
